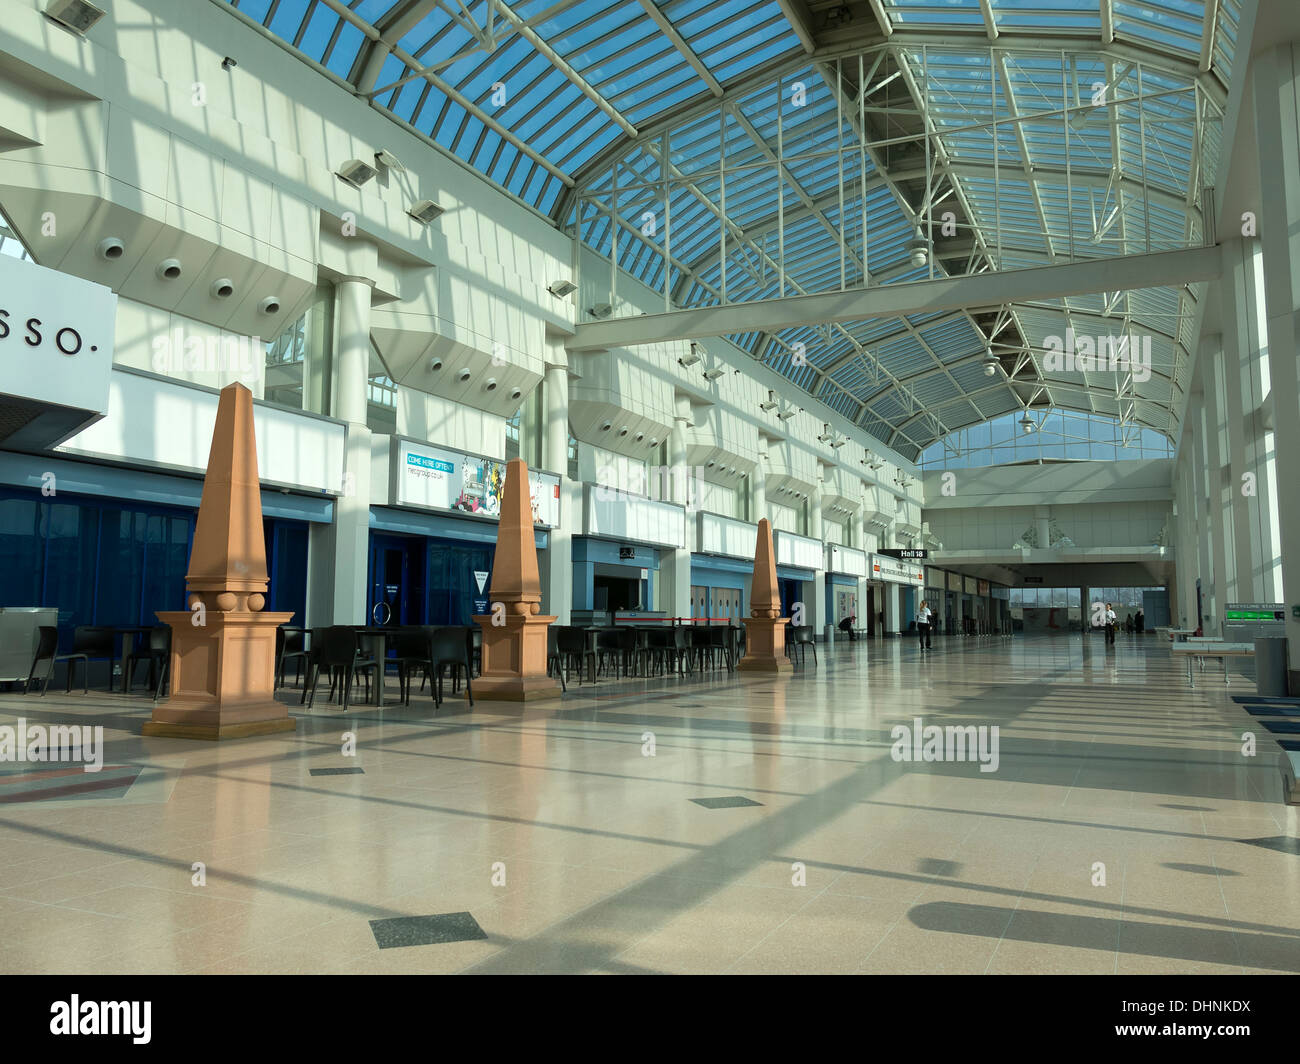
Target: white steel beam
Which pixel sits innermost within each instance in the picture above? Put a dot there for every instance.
(992, 290)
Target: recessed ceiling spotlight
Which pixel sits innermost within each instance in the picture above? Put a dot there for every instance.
(222, 288)
(168, 269)
(269, 305)
(110, 249)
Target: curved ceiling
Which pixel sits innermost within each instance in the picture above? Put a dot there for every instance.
(799, 146)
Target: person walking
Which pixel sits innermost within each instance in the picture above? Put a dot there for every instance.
(1110, 625)
(923, 616)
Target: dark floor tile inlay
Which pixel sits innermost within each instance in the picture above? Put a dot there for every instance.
(732, 801)
(933, 866)
(426, 930)
(336, 771)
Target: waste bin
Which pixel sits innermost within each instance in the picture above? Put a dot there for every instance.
(1270, 667)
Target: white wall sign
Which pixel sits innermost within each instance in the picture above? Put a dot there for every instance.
(164, 423)
(847, 560)
(56, 341)
(440, 479)
(799, 551)
(726, 536)
(896, 571)
(615, 515)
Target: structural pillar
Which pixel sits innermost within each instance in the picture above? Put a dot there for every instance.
(675, 563)
(817, 607)
(340, 553)
(1276, 75)
(557, 568)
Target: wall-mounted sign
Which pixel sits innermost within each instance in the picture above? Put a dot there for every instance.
(918, 553)
(450, 480)
(56, 353)
(1033, 580)
(954, 581)
(981, 587)
(896, 571)
(626, 554)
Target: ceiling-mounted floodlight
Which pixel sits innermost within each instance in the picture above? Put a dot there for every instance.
(425, 211)
(786, 415)
(389, 161)
(991, 362)
(601, 310)
(692, 356)
(826, 433)
(562, 288)
(713, 374)
(918, 248)
(838, 443)
(75, 15)
(355, 172)
(771, 403)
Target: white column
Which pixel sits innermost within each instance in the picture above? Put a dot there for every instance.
(557, 565)
(339, 554)
(758, 491)
(1219, 492)
(815, 531)
(1043, 526)
(1253, 466)
(1276, 77)
(675, 565)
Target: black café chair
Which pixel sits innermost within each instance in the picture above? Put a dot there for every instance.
(571, 644)
(157, 652)
(449, 648)
(47, 648)
(338, 652)
(720, 644)
(554, 663)
(411, 654)
(291, 645)
(803, 639)
(89, 643)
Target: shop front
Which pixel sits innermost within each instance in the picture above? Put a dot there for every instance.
(722, 569)
(431, 548)
(618, 559)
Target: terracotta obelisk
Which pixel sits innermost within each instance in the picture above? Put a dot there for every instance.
(764, 627)
(514, 633)
(223, 648)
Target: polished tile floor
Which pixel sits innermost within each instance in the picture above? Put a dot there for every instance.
(1123, 831)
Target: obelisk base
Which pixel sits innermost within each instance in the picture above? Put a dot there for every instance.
(765, 646)
(514, 660)
(222, 678)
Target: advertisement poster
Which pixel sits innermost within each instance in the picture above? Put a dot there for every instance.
(449, 480)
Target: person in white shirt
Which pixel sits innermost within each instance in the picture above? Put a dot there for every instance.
(923, 616)
(1110, 625)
